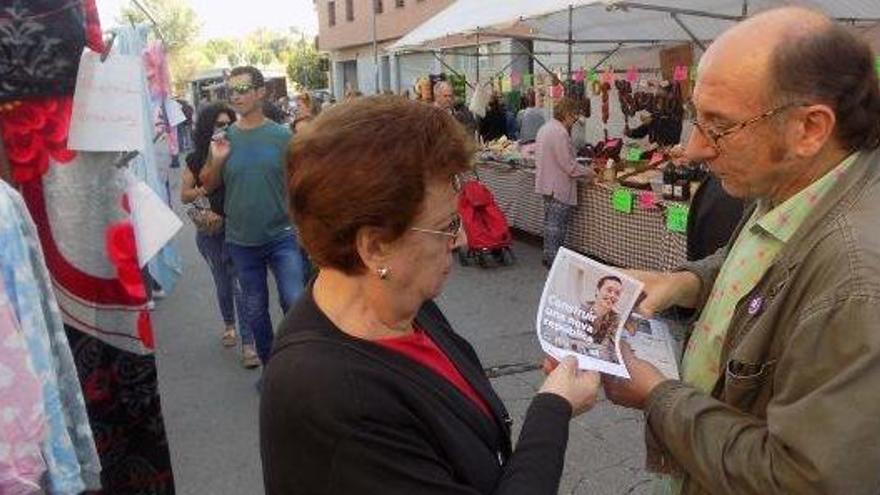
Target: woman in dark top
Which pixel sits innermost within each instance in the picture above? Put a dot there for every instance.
(212, 120)
(369, 390)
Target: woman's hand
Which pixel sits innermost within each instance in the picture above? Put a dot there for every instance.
(579, 388)
(220, 148)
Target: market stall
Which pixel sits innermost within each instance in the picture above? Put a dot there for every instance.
(623, 226)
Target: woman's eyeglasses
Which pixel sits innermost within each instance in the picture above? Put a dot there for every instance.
(221, 126)
(452, 230)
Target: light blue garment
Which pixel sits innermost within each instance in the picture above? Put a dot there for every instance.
(69, 449)
(167, 266)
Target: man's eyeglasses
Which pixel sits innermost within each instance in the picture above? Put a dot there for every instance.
(452, 230)
(241, 89)
(715, 135)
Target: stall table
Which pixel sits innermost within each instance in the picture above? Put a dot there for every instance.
(638, 240)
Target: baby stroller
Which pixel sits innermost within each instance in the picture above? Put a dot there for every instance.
(488, 234)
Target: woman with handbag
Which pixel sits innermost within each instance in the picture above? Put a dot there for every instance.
(206, 212)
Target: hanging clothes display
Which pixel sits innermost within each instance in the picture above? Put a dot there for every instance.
(69, 447)
(21, 460)
(42, 42)
(153, 166)
(83, 225)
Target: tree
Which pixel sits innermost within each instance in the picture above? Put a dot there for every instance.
(176, 20)
(304, 66)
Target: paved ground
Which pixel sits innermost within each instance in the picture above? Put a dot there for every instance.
(210, 403)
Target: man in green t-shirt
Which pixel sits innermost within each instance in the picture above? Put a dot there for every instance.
(249, 162)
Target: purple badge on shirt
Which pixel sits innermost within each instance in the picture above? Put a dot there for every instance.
(756, 304)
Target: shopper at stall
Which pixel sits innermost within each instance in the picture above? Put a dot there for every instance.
(369, 389)
(531, 118)
(556, 175)
(779, 378)
(444, 99)
(424, 90)
(494, 124)
(213, 120)
(248, 162)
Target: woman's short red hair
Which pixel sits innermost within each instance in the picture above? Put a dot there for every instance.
(366, 163)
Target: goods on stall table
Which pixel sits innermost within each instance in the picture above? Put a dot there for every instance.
(641, 180)
(501, 150)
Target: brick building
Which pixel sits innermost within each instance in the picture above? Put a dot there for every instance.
(345, 33)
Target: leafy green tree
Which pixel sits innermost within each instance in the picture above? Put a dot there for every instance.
(304, 66)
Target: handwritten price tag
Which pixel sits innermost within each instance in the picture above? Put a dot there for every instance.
(632, 75)
(647, 200)
(622, 200)
(505, 85)
(107, 113)
(677, 218)
(633, 154)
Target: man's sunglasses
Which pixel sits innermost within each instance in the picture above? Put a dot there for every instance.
(242, 89)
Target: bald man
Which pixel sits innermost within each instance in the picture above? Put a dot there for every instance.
(781, 372)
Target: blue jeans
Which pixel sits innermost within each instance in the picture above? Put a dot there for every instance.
(283, 258)
(557, 215)
(213, 249)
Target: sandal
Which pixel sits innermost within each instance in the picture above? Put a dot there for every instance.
(228, 337)
(249, 357)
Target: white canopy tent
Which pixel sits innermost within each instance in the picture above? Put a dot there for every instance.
(612, 21)
(602, 25)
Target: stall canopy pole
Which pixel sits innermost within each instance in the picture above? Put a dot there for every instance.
(745, 8)
(609, 55)
(690, 33)
(375, 48)
(570, 36)
(536, 59)
(674, 10)
(451, 69)
(478, 56)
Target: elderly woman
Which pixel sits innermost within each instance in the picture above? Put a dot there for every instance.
(369, 389)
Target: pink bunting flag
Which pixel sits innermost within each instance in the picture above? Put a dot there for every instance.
(578, 76)
(515, 79)
(608, 76)
(556, 91)
(681, 73)
(632, 75)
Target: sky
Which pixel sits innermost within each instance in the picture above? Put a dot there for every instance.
(234, 18)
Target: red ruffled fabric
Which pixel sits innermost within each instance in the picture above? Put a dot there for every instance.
(122, 252)
(94, 39)
(35, 131)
